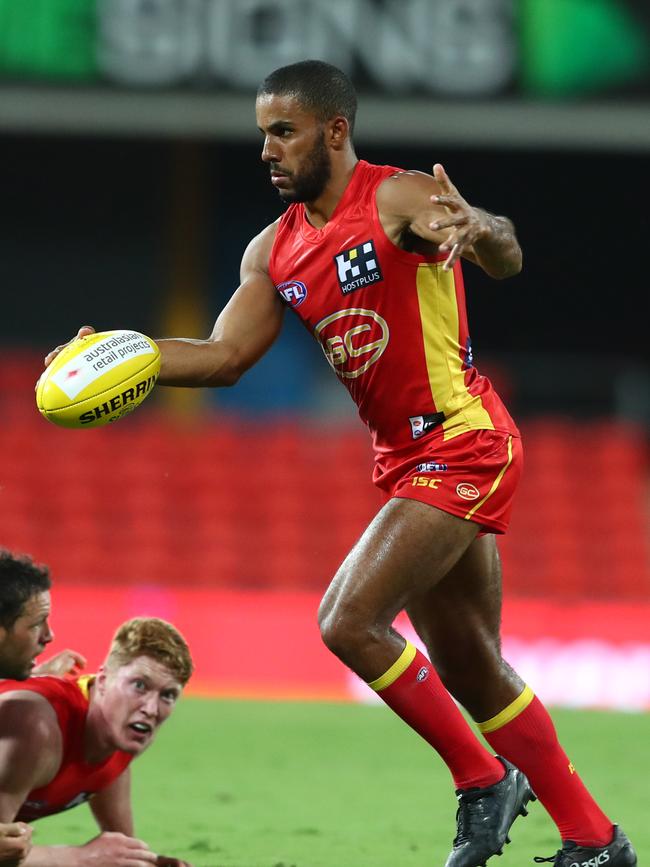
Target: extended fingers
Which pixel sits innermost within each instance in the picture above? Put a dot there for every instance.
(84, 331)
(443, 179)
(136, 857)
(455, 245)
(453, 257)
(448, 201)
(448, 222)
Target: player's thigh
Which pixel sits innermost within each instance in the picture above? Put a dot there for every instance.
(406, 550)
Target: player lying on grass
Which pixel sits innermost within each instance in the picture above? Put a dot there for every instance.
(66, 741)
(24, 621)
(24, 634)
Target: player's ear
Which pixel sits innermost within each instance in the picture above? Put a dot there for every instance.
(100, 679)
(339, 132)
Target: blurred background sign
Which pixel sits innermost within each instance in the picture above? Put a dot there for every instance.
(448, 48)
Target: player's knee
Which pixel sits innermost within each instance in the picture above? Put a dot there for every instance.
(333, 631)
(342, 628)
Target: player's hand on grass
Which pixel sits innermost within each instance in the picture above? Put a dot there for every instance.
(84, 331)
(112, 849)
(467, 224)
(65, 662)
(15, 843)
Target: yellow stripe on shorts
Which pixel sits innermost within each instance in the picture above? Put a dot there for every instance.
(508, 713)
(400, 665)
(495, 483)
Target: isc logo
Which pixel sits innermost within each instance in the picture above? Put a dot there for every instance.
(294, 292)
(352, 340)
(424, 482)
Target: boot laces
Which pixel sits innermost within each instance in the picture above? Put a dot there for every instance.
(552, 860)
(470, 815)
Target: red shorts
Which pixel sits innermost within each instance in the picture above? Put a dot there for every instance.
(473, 476)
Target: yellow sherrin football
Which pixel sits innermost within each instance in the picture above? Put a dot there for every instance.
(98, 379)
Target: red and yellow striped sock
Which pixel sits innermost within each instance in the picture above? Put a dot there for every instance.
(524, 734)
(411, 687)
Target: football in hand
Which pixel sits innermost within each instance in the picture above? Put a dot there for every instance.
(98, 379)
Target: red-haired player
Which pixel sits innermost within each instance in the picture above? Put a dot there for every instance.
(67, 741)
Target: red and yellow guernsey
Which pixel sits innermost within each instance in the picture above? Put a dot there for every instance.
(391, 323)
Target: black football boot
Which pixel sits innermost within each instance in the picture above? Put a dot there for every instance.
(485, 816)
(619, 853)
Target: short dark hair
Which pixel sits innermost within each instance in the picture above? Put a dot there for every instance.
(319, 86)
(20, 580)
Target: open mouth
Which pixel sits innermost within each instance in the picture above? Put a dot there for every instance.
(141, 728)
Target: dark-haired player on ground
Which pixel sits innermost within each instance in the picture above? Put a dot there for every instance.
(67, 741)
(24, 634)
(369, 258)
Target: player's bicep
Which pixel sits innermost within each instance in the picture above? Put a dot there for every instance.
(405, 199)
(29, 747)
(252, 319)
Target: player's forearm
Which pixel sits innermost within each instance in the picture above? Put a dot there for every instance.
(498, 252)
(196, 363)
(53, 856)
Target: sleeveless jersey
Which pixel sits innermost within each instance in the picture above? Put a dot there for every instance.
(76, 780)
(392, 324)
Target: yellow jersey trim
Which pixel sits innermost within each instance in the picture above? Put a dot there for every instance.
(495, 483)
(400, 665)
(509, 713)
(464, 411)
(84, 683)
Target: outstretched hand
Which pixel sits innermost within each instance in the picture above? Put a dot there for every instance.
(112, 849)
(467, 224)
(65, 662)
(84, 331)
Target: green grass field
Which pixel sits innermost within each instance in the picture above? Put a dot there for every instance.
(261, 784)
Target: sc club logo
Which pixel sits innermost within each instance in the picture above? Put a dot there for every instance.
(357, 267)
(467, 491)
(352, 340)
(294, 292)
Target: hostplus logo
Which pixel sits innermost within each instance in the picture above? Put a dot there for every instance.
(357, 267)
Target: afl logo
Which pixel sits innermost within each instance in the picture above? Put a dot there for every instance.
(352, 340)
(293, 291)
(467, 491)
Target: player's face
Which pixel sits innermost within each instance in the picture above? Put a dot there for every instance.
(135, 700)
(294, 148)
(26, 639)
